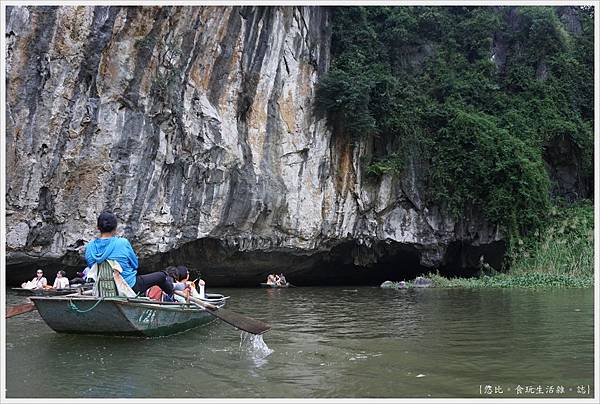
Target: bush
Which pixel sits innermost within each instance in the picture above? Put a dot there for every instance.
(564, 247)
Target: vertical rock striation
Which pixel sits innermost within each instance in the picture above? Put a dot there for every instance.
(196, 126)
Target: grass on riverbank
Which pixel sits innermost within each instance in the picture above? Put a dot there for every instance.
(566, 246)
(561, 256)
(528, 280)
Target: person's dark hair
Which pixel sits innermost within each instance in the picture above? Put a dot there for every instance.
(171, 271)
(182, 273)
(107, 222)
(177, 273)
(63, 273)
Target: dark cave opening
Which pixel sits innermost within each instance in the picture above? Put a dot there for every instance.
(344, 263)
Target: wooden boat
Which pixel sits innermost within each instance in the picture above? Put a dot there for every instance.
(107, 310)
(81, 314)
(52, 292)
(273, 285)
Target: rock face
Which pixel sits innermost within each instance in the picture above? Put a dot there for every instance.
(196, 126)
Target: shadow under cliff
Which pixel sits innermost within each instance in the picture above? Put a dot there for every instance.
(344, 263)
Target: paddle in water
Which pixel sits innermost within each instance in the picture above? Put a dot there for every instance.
(243, 323)
(20, 309)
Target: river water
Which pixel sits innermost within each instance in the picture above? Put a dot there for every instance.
(342, 342)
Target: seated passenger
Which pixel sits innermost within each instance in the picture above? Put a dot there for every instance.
(61, 281)
(156, 293)
(78, 279)
(39, 282)
(188, 287)
(201, 284)
(270, 279)
(180, 277)
(81, 277)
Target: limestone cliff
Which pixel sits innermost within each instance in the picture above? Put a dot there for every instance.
(196, 126)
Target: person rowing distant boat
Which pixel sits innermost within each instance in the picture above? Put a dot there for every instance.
(271, 280)
(275, 281)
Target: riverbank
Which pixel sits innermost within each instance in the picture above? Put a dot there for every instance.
(501, 280)
(527, 280)
(562, 255)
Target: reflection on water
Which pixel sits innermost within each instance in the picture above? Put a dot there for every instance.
(326, 342)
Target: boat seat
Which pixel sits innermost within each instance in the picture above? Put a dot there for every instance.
(106, 282)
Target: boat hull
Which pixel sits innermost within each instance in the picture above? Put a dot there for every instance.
(119, 316)
(49, 292)
(272, 285)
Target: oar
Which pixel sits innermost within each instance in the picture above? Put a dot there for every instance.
(20, 309)
(243, 323)
(27, 307)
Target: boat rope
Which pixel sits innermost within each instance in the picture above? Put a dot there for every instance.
(76, 309)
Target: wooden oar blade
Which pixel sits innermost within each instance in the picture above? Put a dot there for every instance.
(20, 309)
(244, 323)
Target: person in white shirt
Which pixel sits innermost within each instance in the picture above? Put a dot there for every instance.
(39, 282)
(61, 281)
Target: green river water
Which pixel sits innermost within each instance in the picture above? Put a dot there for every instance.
(342, 342)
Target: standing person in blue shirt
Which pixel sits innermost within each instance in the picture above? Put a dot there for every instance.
(110, 247)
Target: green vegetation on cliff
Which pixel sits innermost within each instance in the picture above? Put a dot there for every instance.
(561, 256)
(476, 92)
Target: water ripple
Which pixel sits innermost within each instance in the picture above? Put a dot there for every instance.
(324, 342)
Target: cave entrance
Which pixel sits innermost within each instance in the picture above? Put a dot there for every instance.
(346, 263)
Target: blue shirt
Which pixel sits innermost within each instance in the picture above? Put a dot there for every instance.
(114, 248)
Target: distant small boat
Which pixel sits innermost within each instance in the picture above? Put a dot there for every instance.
(274, 285)
(80, 314)
(52, 292)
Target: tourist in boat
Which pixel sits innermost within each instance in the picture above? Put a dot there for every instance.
(156, 293)
(188, 287)
(201, 285)
(78, 279)
(180, 276)
(184, 284)
(281, 281)
(61, 281)
(110, 247)
(39, 282)
(271, 279)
